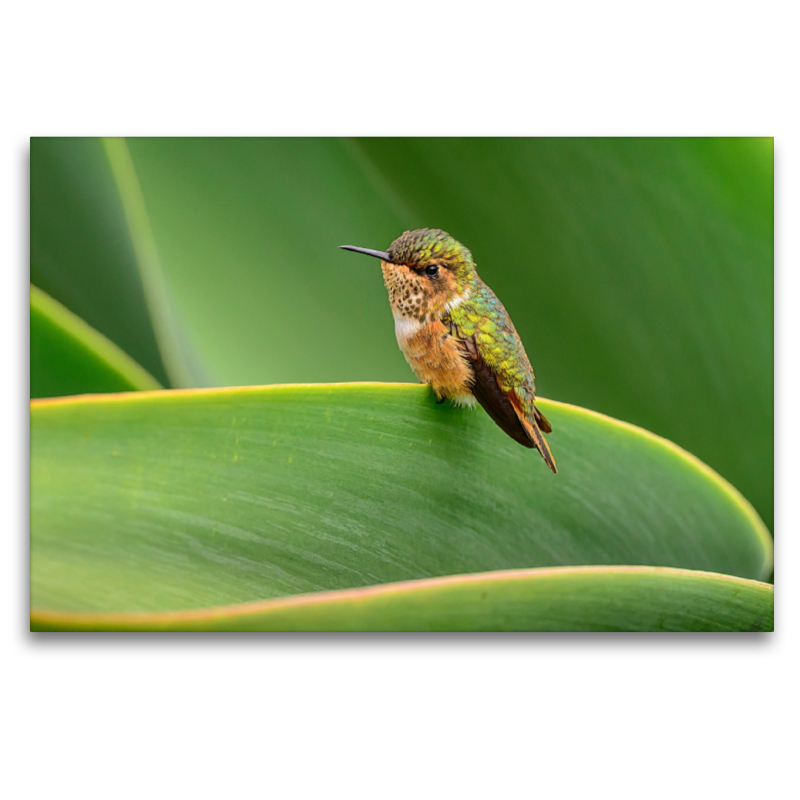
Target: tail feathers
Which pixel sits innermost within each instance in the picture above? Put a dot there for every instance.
(541, 444)
(534, 433)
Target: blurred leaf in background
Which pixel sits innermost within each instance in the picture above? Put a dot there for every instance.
(639, 272)
(69, 357)
(81, 251)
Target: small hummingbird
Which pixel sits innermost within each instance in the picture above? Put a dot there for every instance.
(457, 336)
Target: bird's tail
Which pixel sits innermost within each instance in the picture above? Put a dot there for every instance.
(541, 444)
(531, 425)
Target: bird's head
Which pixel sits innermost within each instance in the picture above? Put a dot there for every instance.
(426, 271)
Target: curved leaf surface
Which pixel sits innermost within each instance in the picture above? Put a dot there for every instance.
(174, 500)
(560, 599)
(70, 357)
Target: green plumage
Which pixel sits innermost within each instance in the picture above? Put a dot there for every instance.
(484, 317)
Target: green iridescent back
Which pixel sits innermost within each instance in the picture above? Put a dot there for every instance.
(483, 316)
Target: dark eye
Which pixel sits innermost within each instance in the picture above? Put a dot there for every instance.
(432, 270)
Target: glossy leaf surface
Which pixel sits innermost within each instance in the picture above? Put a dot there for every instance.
(566, 599)
(176, 500)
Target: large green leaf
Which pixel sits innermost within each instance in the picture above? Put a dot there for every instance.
(69, 357)
(638, 271)
(174, 500)
(560, 599)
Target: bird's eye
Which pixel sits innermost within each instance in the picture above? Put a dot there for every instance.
(432, 270)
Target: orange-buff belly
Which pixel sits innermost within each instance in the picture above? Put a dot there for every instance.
(436, 358)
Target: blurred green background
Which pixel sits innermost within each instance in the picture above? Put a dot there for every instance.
(639, 272)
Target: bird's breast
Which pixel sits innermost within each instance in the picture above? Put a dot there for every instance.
(436, 357)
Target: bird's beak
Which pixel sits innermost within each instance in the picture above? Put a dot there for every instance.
(366, 251)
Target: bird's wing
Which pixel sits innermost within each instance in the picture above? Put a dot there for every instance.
(488, 393)
(506, 407)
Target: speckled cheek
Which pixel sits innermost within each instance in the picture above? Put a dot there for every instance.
(406, 293)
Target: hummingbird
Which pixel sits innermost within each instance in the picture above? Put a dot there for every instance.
(457, 336)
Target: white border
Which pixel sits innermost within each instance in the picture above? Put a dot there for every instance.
(554, 716)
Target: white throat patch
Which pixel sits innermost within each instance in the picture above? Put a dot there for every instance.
(408, 326)
(405, 327)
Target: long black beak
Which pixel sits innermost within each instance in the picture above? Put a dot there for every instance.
(366, 251)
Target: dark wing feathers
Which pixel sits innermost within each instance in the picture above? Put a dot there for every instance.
(504, 408)
(491, 396)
